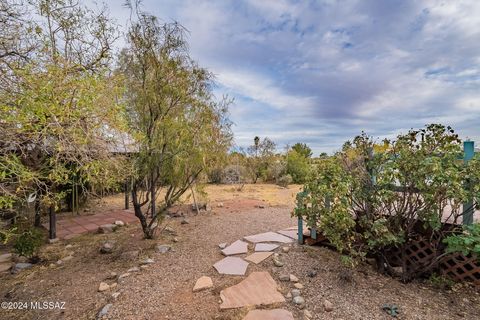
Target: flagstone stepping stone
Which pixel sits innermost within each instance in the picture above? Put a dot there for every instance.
(274, 314)
(203, 283)
(238, 247)
(231, 265)
(258, 257)
(257, 289)
(289, 233)
(268, 237)
(265, 247)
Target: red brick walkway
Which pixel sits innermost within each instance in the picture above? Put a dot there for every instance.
(69, 227)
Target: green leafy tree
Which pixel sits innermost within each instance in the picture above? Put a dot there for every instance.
(59, 111)
(298, 166)
(180, 129)
(302, 149)
(260, 155)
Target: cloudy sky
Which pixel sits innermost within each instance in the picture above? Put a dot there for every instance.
(320, 72)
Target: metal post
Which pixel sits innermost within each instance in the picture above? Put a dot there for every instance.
(53, 223)
(468, 209)
(300, 230)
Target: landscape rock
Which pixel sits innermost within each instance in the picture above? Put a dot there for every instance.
(289, 295)
(103, 287)
(298, 285)
(284, 277)
(163, 248)
(170, 230)
(112, 276)
(53, 240)
(103, 312)
(22, 266)
(299, 301)
(231, 265)
(223, 245)
(262, 247)
(220, 205)
(123, 275)
(295, 292)
(175, 239)
(277, 263)
(107, 228)
(134, 269)
(115, 295)
(107, 247)
(238, 247)
(327, 305)
(184, 221)
(148, 261)
(119, 223)
(67, 258)
(285, 249)
(68, 246)
(312, 273)
(293, 278)
(203, 283)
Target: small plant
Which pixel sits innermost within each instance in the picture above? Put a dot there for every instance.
(28, 243)
(6, 235)
(441, 282)
(285, 180)
(467, 242)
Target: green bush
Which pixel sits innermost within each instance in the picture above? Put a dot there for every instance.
(28, 243)
(467, 242)
(298, 166)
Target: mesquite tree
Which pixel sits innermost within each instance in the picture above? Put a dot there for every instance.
(59, 110)
(173, 117)
(369, 198)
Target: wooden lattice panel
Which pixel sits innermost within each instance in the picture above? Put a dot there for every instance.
(418, 252)
(461, 268)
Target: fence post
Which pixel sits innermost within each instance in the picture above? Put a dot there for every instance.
(300, 230)
(468, 209)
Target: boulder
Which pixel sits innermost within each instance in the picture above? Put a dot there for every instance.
(299, 302)
(107, 228)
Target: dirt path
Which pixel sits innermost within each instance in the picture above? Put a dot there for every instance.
(164, 289)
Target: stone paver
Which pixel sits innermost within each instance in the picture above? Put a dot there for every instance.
(289, 233)
(269, 237)
(231, 265)
(238, 247)
(69, 227)
(257, 289)
(258, 257)
(203, 283)
(274, 314)
(260, 247)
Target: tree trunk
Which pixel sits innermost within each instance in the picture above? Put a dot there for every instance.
(38, 221)
(152, 195)
(126, 195)
(53, 223)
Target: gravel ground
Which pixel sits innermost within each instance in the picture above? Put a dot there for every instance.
(164, 289)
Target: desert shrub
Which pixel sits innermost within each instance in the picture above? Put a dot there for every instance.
(298, 166)
(215, 175)
(467, 242)
(234, 174)
(371, 197)
(285, 180)
(27, 243)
